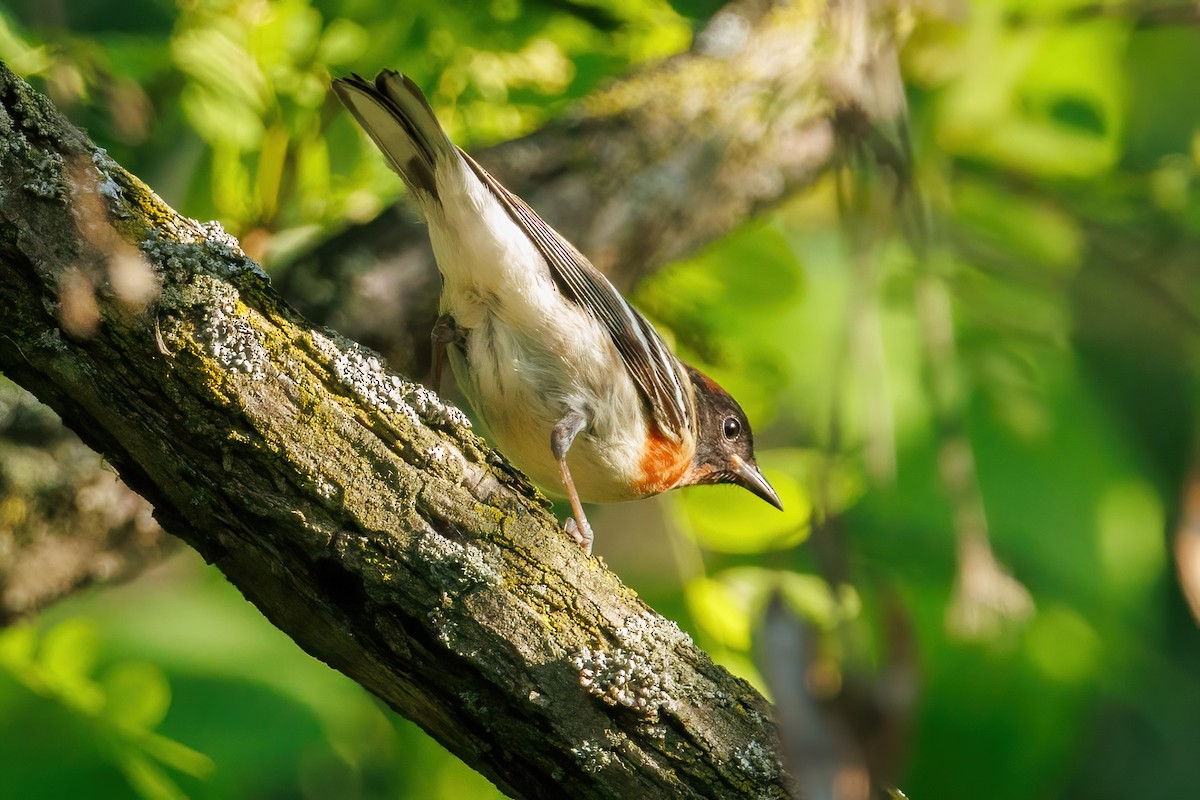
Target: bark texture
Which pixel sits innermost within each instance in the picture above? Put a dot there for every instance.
(353, 508)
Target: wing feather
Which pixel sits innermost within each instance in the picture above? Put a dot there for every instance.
(658, 374)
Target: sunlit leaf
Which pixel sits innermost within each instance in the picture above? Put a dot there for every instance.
(69, 649)
(17, 646)
(137, 695)
(1130, 526)
(835, 482)
(731, 520)
(813, 599)
(219, 120)
(220, 64)
(343, 41)
(741, 593)
(148, 779)
(21, 56)
(1063, 645)
(66, 658)
(1027, 226)
(750, 273)
(176, 755)
(720, 611)
(1045, 99)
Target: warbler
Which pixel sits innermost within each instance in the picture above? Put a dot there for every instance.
(574, 385)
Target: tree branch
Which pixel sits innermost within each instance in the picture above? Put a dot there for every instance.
(353, 508)
(650, 168)
(65, 520)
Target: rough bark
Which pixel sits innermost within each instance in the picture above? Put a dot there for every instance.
(353, 508)
(650, 168)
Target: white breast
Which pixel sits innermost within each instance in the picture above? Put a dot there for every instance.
(531, 356)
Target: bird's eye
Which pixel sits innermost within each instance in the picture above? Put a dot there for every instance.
(732, 427)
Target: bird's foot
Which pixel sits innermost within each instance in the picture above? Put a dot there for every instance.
(444, 334)
(581, 532)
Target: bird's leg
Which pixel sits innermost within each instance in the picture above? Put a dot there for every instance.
(445, 333)
(561, 437)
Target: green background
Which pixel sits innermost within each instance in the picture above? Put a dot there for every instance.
(1058, 146)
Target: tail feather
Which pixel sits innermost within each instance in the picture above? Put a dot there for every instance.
(398, 118)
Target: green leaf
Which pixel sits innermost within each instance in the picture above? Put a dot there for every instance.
(721, 611)
(219, 120)
(176, 755)
(21, 56)
(67, 656)
(1042, 99)
(137, 695)
(1130, 528)
(837, 483)
(808, 595)
(730, 519)
(716, 285)
(17, 646)
(1063, 645)
(215, 60)
(148, 780)
(342, 42)
(1031, 228)
(812, 598)
(69, 649)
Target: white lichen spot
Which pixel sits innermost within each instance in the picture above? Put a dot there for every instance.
(625, 675)
(105, 166)
(592, 756)
(52, 340)
(367, 377)
(456, 564)
(433, 408)
(325, 489)
(46, 178)
(443, 627)
(230, 338)
(194, 247)
(229, 259)
(221, 240)
(757, 761)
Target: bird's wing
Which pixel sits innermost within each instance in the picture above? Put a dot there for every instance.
(657, 373)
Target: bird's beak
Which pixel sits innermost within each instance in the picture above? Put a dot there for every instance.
(750, 477)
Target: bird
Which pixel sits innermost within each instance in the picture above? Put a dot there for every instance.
(573, 384)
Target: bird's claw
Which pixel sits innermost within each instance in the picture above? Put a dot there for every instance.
(445, 333)
(580, 532)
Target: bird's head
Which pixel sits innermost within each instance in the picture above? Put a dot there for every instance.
(724, 443)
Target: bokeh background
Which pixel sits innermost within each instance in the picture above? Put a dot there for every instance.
(984, 439)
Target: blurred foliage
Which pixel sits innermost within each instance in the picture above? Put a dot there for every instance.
(117, 713)
(1040, 351)
(183, 658)
(223, 105)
